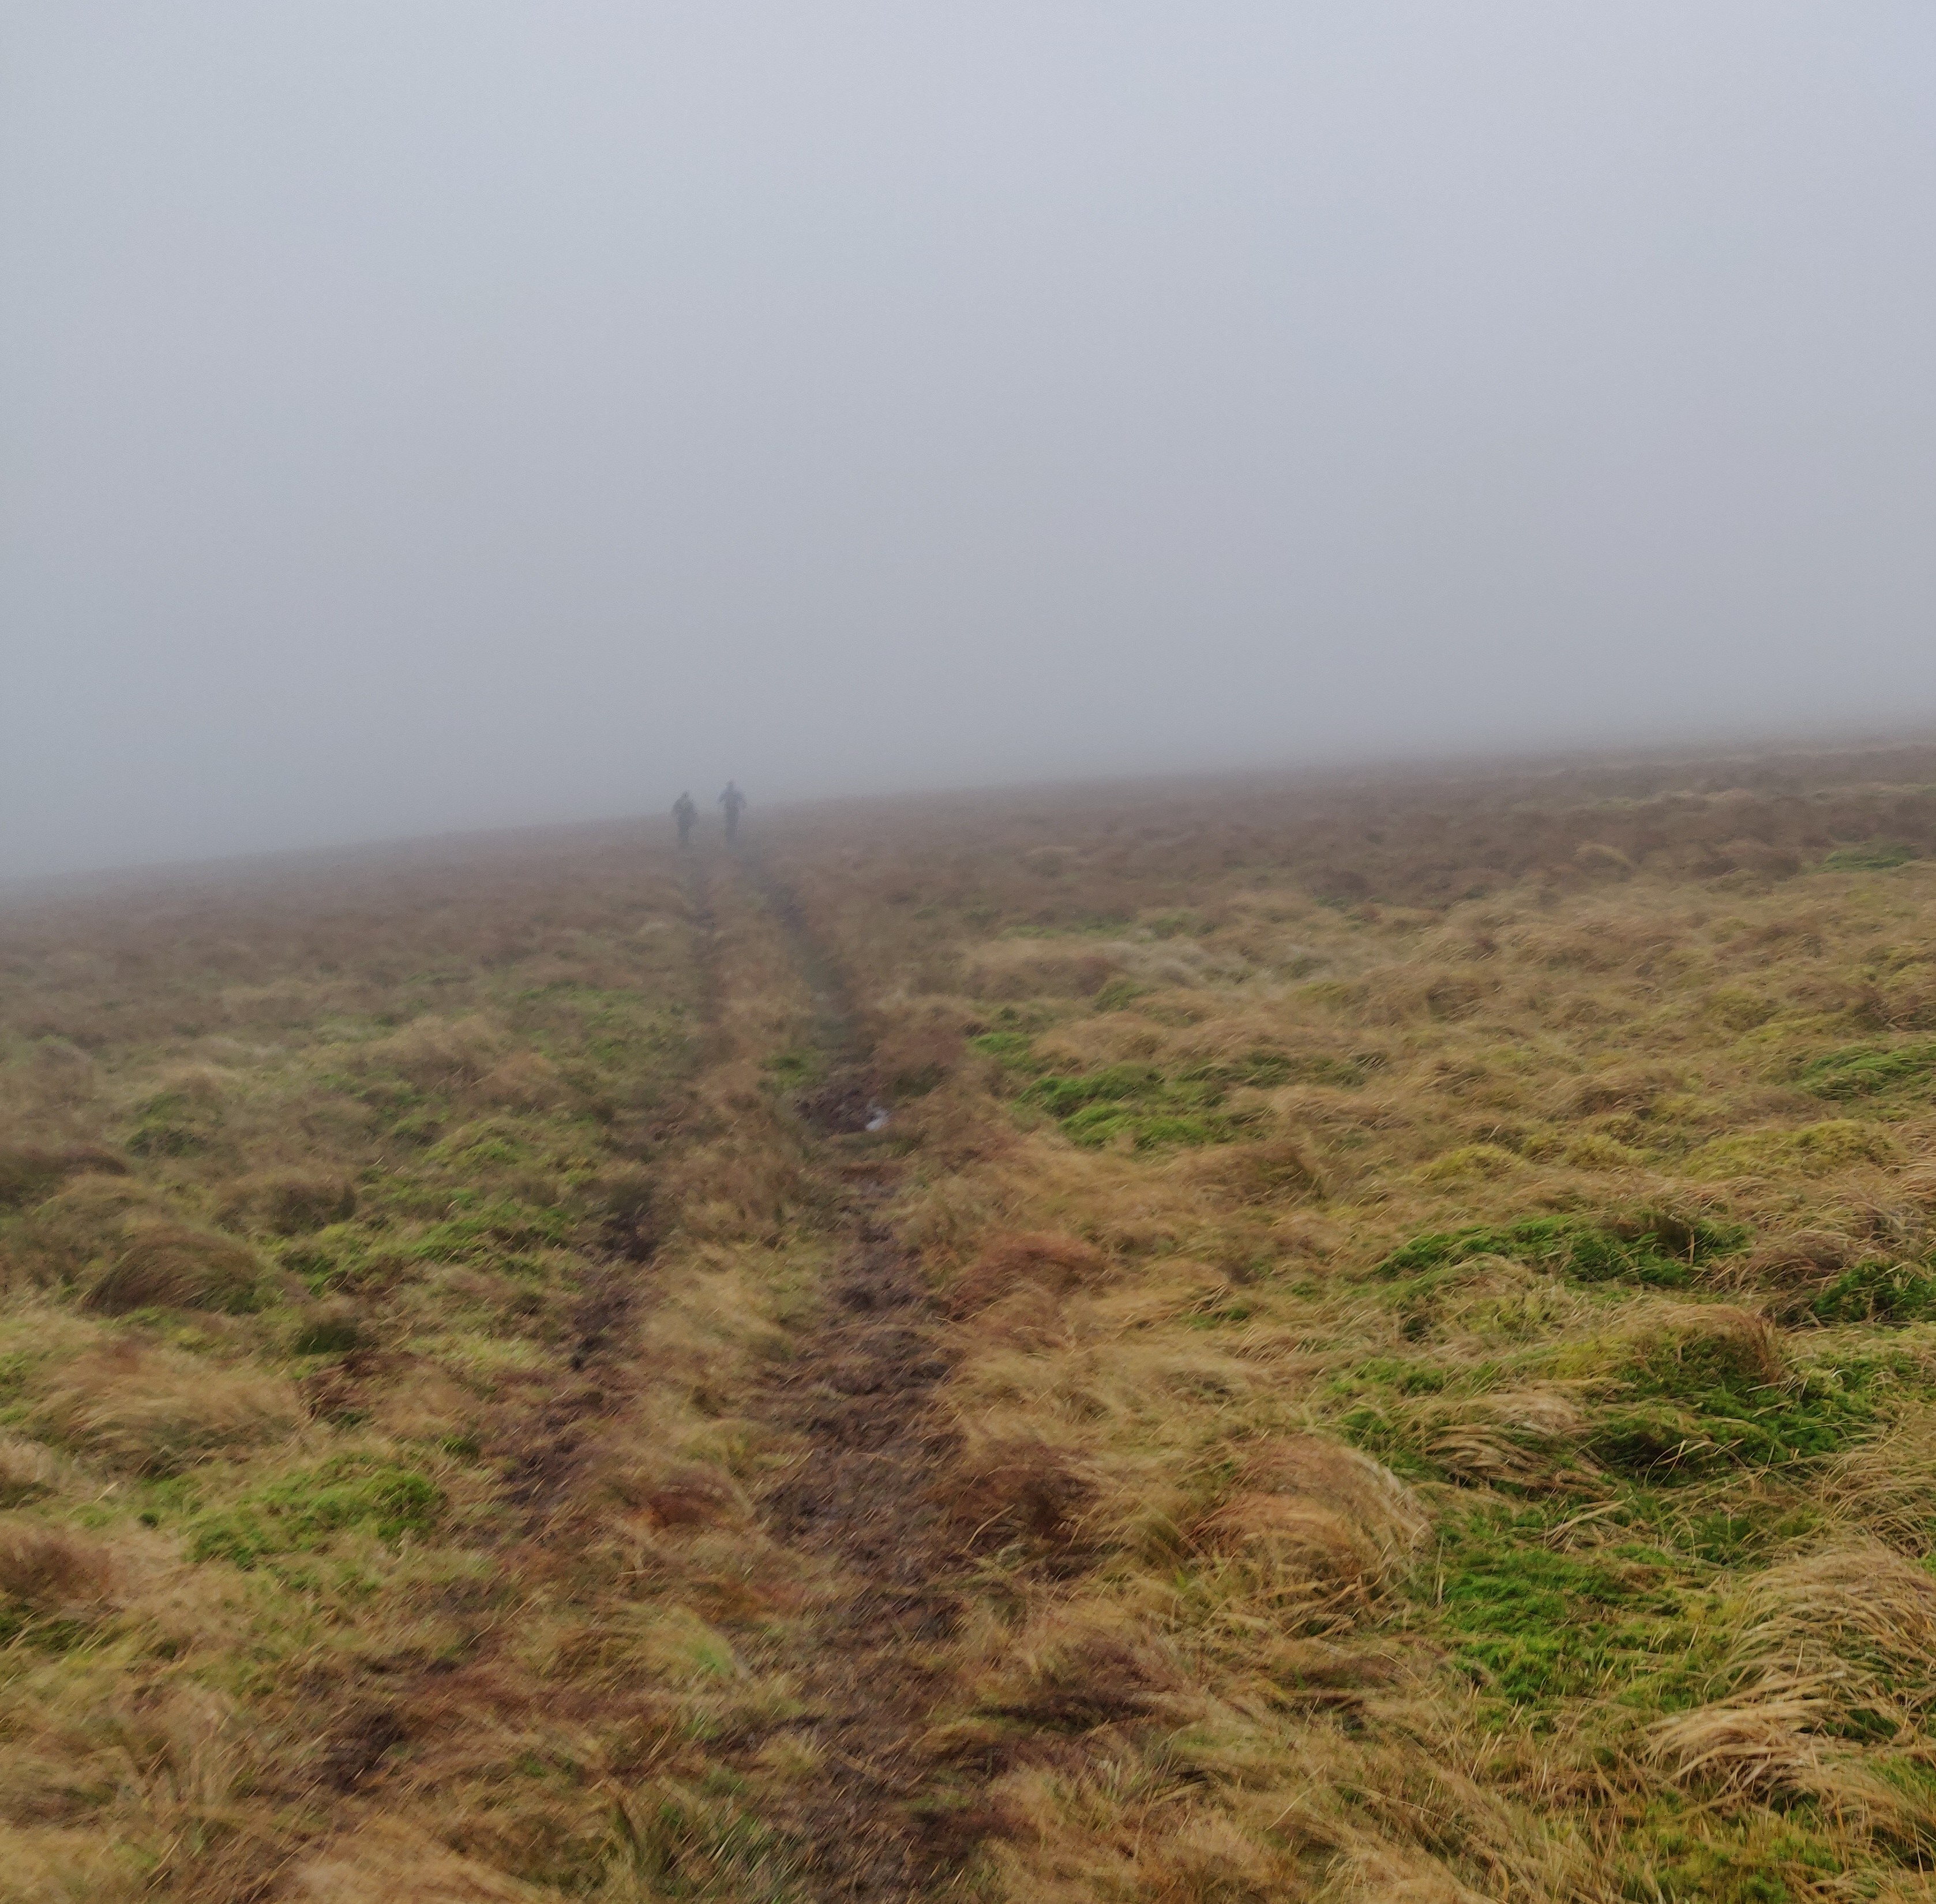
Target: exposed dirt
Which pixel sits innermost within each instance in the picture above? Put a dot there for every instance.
(884, 1820)
(705, 936)
(542, 1451)
(606, 1303)
(842, 1105)
(837, 1032)
(355, 1750)
(860, 1392)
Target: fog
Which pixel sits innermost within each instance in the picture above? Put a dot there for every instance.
(416, 416)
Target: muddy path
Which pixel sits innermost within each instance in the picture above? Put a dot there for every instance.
(695, 880)
(884, 1820)
(845, 1100)
(544, 1447)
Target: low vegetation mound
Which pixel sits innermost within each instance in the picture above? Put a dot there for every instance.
(31, 1171)
(1652, 1247)
(1041, 1260)
(161, 1265)
(145, 1409)
(1870, 1070)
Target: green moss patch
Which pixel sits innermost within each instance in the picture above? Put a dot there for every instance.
(1013, 1050)
(1137, 1103)
(1889, 1293)
(334, 1258)
(1870, 856)
(480, 1225)
(492, 1143)
(1267, 1068)
(173, 1124)
(299, 1513)
(1693, 1402)
(1652, 1247)
(1533, 1627)
(1674, 1857)
(1870, 1070)
(1814, 1150)
(790, 1069)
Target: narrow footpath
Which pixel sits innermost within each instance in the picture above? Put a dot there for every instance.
(884, 1821)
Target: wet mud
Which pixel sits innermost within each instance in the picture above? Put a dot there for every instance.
(883, 1820)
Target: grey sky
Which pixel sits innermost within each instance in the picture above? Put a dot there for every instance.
(418, 415)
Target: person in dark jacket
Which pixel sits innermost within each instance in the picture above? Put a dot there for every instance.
(687, 815)
(732, 803)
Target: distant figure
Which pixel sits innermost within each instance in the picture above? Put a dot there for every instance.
(732, 800)
(687, 815)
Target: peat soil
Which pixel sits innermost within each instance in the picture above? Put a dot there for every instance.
(845, 1101)
(884, 1820)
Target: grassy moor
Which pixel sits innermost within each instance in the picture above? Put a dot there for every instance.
(1367, 1338)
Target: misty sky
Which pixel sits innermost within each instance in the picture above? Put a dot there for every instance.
(421, 416)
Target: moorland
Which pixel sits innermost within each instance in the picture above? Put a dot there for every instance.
(1359, 1337)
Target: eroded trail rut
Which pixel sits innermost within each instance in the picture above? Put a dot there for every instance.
(881, 1821)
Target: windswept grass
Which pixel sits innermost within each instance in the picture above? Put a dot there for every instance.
(1436, 1289)
(1572, 1261)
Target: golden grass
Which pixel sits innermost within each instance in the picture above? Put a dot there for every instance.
(53, 1568)
(1622, 1029)
(1323, 1534)
(151, 1410)
(28, 1470)
(402, 1257)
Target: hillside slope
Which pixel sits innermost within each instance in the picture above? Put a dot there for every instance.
(1359, 1339)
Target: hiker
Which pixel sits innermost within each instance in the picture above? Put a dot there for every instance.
(687, 815)
(732, 800)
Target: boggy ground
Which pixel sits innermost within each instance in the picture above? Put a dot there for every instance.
(857, 1395)
(1386, 1350)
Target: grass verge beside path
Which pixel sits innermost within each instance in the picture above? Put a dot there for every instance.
(386, 1533)
(1440, 1412)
